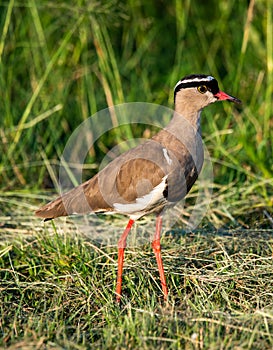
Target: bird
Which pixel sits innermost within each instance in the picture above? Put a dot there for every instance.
(150, 177)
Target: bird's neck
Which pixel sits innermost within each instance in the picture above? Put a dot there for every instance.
(183, 133)
(189, 112)
(185, 118)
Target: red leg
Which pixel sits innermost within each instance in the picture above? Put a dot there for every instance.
(157, 250)
(121, 248)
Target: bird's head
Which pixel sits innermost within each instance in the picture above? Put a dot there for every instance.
(197, 91)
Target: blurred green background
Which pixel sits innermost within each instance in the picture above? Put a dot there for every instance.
(62, 61)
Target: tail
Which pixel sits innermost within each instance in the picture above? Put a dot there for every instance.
(52, 210)
(82, 199)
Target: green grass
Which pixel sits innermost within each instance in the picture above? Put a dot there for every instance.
(61, 62)
(57, 291)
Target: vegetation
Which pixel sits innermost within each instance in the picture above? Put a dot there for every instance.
(61, 62)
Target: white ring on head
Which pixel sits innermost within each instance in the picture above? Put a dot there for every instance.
(208, 78)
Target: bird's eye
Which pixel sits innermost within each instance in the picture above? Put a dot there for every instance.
(202, 89)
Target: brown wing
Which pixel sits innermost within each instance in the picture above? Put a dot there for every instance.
(130, 176)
